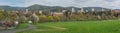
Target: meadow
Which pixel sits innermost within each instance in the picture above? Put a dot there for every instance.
(104, 26)
(21, 26)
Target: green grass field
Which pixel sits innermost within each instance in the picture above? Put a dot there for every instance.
(106, 26)
(21, 26)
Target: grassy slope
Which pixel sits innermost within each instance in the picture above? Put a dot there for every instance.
(109, 26)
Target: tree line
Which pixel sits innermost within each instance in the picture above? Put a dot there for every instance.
(47, 17)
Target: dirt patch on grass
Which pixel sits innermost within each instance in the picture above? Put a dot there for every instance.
(53, 28)
(57, 28)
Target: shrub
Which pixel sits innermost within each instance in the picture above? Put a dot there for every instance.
(50, 18)
(42, 18)
(57, 18)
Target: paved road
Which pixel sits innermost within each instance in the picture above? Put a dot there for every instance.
(14, 31)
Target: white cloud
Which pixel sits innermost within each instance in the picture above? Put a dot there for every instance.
(100, 3)
(4, 3)
(76, 3)
(51, 2)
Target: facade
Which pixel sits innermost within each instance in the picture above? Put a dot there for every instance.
(57, 14)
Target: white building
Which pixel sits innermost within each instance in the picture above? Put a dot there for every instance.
(92, 9)
(64, 11)
(26, 10)
(73, 9)
(86, 10)
(40, 11)
(103, 9)
(57, 13)
(82, 10)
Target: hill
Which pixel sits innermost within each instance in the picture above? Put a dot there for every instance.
(10, 8)
(37, 7)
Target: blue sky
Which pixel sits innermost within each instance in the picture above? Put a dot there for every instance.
(64, 3)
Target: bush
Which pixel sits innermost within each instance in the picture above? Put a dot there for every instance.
(57, 18)
(22, 19)
(42, 18)
(50, 18)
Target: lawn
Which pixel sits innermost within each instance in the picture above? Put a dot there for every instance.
(21, 26)
(105, 26)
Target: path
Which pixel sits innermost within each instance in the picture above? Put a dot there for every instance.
(14, 31)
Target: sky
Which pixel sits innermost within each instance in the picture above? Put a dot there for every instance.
(65, 3)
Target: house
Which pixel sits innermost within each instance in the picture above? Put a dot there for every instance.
(58, 13)
(117, 13)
